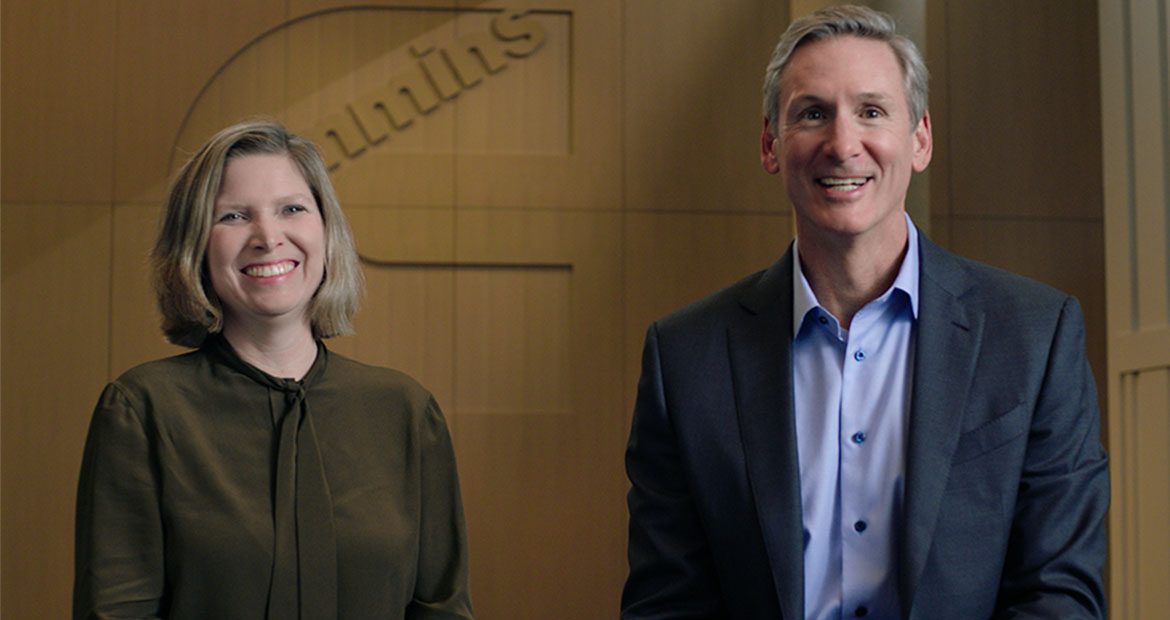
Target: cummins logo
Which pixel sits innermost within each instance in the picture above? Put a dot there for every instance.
(439, 74)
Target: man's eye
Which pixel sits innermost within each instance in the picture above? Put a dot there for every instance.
(812, 115)
(872, 113)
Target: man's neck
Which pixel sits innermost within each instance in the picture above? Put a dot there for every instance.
(846, 273)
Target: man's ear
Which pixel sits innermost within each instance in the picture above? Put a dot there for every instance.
(923, 144)
(768, 147)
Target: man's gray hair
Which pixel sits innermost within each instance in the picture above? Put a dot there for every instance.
(852, 20)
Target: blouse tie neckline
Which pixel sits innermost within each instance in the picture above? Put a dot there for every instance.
(304, 562)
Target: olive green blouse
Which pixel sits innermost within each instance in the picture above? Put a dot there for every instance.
(210, 489)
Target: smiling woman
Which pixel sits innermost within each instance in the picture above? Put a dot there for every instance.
(207, 489)
(266, 247)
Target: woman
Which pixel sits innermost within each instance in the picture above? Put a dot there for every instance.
(262, 475)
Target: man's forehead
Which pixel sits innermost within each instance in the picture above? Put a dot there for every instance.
(864, 60)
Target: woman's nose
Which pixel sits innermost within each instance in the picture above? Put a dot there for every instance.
(265, 233)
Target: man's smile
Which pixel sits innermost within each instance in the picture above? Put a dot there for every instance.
(844, 184)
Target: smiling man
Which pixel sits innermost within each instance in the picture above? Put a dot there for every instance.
(871, 427)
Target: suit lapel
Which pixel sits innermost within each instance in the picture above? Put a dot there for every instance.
(948, 340)
(760, 350)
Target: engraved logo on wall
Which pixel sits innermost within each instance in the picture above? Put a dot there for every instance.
(358, 80)
(422, 113)
(438, 77)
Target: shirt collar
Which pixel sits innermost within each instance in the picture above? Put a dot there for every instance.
(804, 300)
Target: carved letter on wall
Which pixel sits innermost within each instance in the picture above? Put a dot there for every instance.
(463, 63)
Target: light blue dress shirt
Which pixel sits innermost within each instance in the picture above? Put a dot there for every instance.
(852, 397)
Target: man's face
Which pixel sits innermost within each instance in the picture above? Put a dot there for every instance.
(844, 144)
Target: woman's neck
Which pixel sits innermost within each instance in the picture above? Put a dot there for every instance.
(286, 352)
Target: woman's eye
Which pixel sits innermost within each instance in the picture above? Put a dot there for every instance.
(294, 209)
(230, 217)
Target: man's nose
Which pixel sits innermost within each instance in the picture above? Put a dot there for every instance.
(843, 140)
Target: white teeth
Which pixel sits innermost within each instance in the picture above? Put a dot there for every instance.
(268, 271)
(846, 184)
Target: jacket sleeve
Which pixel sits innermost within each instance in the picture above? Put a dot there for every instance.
(118, 553)
(1056, 550)
(441, 591)
(672, 571)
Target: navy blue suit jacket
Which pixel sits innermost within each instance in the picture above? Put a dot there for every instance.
(1006, 483)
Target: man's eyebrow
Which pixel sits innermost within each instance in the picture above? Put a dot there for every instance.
(874, 96)
(805, 99)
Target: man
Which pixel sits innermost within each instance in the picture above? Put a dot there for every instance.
(872, 427)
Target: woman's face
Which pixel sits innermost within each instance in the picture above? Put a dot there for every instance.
(266, 250)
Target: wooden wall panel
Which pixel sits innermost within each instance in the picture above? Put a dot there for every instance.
(166, 54)
(403, 234)
(55, 304)
(542, 477)
(407, 316)
(58, 121)
(525, 108)
(300, 8)
(1135, 72)
(557, 484)
(253, 83)
(513, 347)
(135, 323)
(693, 121)
(572, 84)
(342, 59)
(407, 323)
(1024, 107)
(1141, 496)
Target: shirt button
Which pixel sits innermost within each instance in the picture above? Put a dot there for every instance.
(860, 527)
(858, 437)
(861, 611)
(822, 320)
(859, 355)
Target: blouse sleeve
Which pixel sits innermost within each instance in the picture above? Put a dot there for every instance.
(118, 553)
(441, 591)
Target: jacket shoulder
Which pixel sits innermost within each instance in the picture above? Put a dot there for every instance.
(992, 289)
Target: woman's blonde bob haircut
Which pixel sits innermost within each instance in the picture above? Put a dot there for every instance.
(190, 308)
